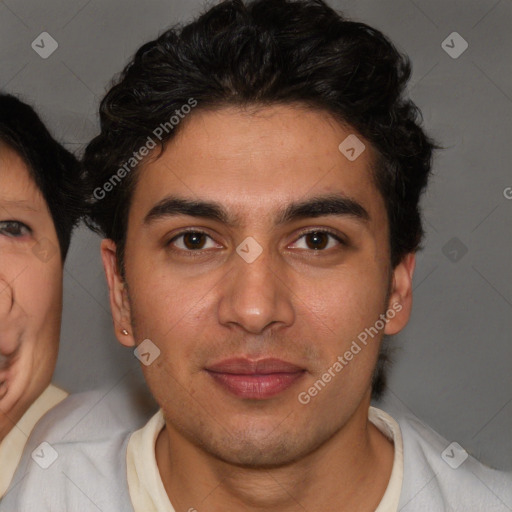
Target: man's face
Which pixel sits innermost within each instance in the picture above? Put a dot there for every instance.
(323, 276)
(30, 290)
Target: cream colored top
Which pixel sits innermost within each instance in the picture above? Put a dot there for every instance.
(147, 491)
(13, 444)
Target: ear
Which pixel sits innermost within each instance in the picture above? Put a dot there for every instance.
(400, 299)
(119, 303)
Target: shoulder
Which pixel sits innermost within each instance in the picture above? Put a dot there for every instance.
(80, 415)
(75, 458)
(441, 475)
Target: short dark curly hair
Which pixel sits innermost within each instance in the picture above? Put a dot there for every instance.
(261, 53)
(55, 171)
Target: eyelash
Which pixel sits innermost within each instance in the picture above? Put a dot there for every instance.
(198, 252)
(6, 224)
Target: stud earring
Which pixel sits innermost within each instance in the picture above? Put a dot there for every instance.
(125, 332)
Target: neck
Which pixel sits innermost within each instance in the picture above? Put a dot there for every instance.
(350, 471)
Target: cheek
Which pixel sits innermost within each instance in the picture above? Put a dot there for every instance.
(172, 314)
(159, 302)
(171, 311)
(340, 318)
(12, 264)
(38, 290)
(347, 302)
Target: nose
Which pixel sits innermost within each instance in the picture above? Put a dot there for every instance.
(255, 296)
(10, 321)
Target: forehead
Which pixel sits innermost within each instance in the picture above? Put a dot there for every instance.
(14, 172)
(256, 161)
(18, 190)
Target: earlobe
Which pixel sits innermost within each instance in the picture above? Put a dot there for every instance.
(119, 303)
(400, 299)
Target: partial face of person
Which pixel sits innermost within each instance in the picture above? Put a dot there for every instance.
(257, 261)
(30, 290)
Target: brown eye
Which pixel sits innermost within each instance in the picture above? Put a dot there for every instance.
(317, 240)
(190, 241)
(14, 229)
(194, 240)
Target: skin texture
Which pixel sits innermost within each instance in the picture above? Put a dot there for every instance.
(30, 291)
(304, 306)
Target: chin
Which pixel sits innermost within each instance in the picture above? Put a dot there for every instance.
(252, 457)
(262, 451)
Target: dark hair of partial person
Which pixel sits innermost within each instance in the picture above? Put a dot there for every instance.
(55, 171)
(260, 53)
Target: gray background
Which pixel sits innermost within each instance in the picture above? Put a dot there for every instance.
(452, 363)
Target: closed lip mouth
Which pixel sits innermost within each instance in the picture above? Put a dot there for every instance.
(245, 366)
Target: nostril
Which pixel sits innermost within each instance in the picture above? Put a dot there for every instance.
(6, 360)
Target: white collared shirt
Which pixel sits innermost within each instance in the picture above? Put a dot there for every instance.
(147, 491)
(14, 442)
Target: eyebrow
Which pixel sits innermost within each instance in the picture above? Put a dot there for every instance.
(327, 205)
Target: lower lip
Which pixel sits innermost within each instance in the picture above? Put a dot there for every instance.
(258, 387)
